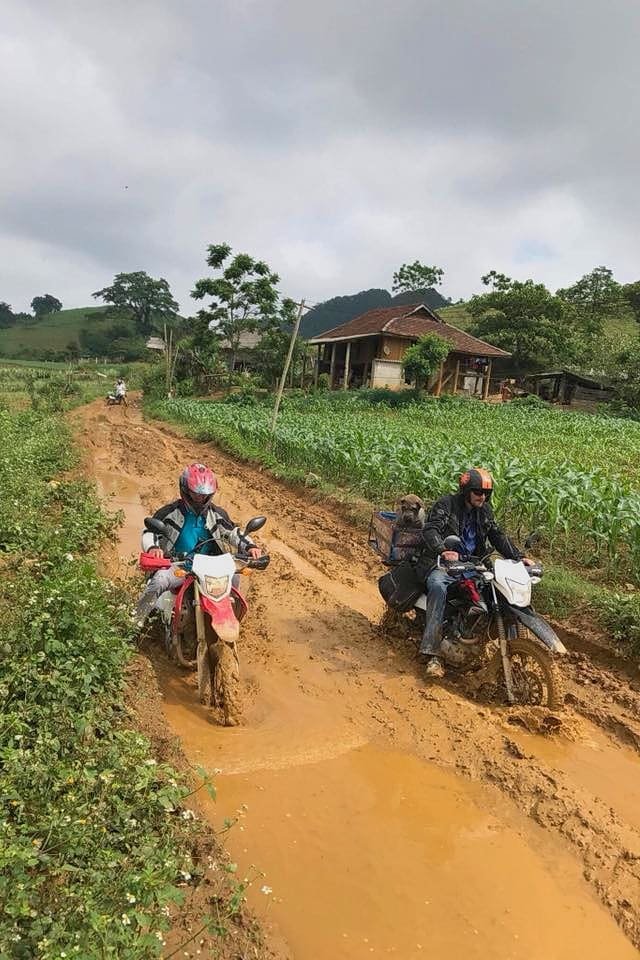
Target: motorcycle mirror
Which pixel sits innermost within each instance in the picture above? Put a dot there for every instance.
(532, 539)
(156, 526)
(256, 523)
(454, 543)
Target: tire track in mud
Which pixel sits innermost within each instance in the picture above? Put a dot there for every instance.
(315, 654)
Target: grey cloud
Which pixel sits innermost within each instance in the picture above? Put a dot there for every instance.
(336, 140)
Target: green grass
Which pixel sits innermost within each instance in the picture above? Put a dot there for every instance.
(54, 332)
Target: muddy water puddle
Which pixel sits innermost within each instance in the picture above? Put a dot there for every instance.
(376, 853)
(608, 771)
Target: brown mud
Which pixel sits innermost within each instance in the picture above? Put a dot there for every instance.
(390, 816)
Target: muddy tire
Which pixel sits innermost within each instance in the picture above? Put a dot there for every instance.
(537, 678)
(227, 680)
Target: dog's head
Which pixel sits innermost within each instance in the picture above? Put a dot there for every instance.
(410, 511)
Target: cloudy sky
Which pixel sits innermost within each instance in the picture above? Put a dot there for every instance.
(336, 140)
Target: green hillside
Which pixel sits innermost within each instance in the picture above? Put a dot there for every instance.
(54, 332)
(618, 327)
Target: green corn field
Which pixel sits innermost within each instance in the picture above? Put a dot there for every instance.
(570, 476)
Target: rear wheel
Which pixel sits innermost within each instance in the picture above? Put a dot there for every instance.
(537, 680)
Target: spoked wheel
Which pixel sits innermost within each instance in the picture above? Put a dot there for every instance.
(537, 681)
(226, 681)
(186, 644)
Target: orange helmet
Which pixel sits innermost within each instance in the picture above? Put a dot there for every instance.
(476, 480)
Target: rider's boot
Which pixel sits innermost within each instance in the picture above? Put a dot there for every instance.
(435, 668)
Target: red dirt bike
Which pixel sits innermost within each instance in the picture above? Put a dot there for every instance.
(201, 618)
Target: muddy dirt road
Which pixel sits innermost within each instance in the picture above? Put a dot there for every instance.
(390, 817)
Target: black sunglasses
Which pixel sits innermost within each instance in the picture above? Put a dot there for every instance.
(481, 493)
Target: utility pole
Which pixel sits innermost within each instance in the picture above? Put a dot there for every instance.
(283, 378)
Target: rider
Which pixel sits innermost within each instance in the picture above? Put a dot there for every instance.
(467, 515)
(189, 520)
(121, 391)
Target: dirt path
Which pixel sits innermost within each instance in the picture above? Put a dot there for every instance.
(499, 846)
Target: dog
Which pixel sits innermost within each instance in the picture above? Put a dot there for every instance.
(410, 513)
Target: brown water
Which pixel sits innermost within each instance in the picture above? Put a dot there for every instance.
(609, 771)
(376, 852)
(370, 851)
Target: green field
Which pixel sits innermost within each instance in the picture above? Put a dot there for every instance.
(572, 476)
(54, 332)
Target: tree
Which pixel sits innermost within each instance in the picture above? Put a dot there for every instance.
(416, 276)
(244, 297)
(41, 306)
(148, 302)
(271, 351)
(424, 357)
(594, 297)
(526, 319)
(497, 281)
(631, 294)
(7, 316)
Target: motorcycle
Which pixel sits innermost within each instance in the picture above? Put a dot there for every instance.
(201, 618)
(490, 629)
(113, 399)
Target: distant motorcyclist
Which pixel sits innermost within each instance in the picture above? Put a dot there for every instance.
(120, 391)
(190, 520)
(467, 515)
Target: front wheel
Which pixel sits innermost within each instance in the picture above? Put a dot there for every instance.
(227, 681)
(537, 680)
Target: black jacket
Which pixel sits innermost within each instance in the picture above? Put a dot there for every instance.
(446, 518)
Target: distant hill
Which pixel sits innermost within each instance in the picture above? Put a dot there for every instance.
(332, 313)
(82, 331)
(53, 332)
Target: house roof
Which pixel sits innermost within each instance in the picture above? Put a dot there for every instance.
(577, 378)
(411, 322)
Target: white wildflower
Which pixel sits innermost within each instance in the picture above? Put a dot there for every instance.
(131, 898)
(266, 890)
(125, 920)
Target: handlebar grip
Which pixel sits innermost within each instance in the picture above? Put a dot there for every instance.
(261, 563)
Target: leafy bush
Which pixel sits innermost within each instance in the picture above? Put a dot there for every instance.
(89, 848)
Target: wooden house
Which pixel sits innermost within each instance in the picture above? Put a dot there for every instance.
(368, 351)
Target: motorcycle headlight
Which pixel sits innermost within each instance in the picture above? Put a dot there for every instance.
(216, 586)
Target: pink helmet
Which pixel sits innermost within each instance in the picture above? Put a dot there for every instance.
(198, 484)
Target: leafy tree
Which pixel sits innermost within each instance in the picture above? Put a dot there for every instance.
(623, 372)
(594, 297)
(245, 297)
(270, 352)
(7, 316)
(631, 294)
(424, 357)
(148, 302)
(416, 276)
(497, 281)
(41, 306)
(526, 319)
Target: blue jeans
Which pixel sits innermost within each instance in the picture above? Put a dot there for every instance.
(437, 585)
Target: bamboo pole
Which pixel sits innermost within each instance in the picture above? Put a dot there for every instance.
(332, 367)
(347, 365)
(316, 372)
(440, 375)
(283, 378)
(455, 382)
(487, 383)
